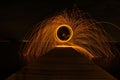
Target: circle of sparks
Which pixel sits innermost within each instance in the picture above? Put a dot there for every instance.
(68, 38)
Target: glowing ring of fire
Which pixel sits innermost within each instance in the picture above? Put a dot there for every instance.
(70, 31)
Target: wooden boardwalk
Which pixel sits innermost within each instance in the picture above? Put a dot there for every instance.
(62, 64)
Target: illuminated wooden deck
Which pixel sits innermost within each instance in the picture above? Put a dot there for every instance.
(62, 64)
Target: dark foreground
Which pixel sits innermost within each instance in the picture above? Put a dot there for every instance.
(10, 62)
(62, 64)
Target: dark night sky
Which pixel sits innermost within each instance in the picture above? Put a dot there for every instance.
(18, 17)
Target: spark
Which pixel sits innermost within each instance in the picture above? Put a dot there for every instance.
(85, 36)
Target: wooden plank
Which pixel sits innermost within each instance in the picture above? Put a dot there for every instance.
(62, 64)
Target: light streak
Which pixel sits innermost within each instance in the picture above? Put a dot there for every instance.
(85, 36)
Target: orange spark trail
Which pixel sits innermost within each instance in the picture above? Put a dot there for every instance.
(86, 36)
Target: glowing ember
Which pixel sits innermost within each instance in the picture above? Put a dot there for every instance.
(69, 29)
